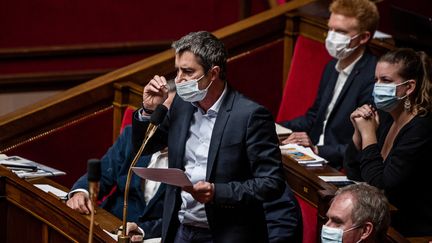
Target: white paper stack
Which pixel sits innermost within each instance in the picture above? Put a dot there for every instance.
(303, 155)
(282, 131)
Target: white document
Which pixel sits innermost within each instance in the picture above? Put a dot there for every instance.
(48, 188)
(171, 176)
(282, 131)
(381, 35)
(339, 181)
(333, 178)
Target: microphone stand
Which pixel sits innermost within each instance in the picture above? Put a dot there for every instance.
(94, 174)
(92, 213)
(151, 129)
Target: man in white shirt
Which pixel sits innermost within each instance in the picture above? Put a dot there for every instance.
(346, 83)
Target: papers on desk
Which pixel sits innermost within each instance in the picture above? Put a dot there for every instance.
(381, 35)
(338, 181)
(282, 131)
(171, 176)
(48, 188)
(25, 168)
(303, 155)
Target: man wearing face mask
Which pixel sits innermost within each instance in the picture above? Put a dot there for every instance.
(346, 83)
(226, 144)
(358, 213)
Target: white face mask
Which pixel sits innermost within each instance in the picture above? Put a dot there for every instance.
(334, 235)
(337, 44)
(189, 91)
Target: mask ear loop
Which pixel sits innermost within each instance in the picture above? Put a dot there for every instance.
(406, 95)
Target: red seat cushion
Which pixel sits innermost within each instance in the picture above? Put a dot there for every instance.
(307, 65)
(127, 118)
(310, 220)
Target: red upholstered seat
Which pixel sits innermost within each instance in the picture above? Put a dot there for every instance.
(127, 118)
(310, 220)
(307, 65)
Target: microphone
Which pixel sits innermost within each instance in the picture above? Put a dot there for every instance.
(155, 119)
(93, 176)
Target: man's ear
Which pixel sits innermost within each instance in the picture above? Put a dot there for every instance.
(214, 71)
(367, 230)
(365, 37)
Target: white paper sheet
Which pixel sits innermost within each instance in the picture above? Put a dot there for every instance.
(334, 178)
(48, 188)
(171, 176)
(282, 131)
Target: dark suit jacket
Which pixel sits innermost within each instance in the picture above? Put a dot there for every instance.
(356, 92)
(404, 175)
(114, 165)
(244, 163)
(284, 219)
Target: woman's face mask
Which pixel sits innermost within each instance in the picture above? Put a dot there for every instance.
(385, 96)
(334, 235)
(189, 91)
(337, 44)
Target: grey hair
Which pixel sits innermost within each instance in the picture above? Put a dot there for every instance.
(209, 50)
(369, 205)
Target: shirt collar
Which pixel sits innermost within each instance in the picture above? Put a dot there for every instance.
(214, 109)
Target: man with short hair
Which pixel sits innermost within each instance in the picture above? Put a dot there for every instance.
(346, 83)
(358, 213)
(226, 144)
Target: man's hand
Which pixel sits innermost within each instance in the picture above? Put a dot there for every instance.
(202, 191)
(136, 234)
(300, 138)
(80, 202)
(155, 92)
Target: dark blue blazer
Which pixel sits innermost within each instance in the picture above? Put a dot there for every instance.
(244, 163)
(115, 164)
(284, 219)
(356, 92)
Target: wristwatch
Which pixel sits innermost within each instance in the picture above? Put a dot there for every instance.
(148, 111)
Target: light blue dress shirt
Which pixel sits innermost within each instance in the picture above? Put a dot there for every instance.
(196, 154)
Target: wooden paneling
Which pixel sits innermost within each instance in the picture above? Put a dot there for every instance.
(84, 50)
(35, 216)
(41, 116)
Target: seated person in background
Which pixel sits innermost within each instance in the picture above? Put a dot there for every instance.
(358, 213)
(346, 83)
(393, 152)
(145, 202)
(146, 198)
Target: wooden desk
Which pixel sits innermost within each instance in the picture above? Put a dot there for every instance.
(305, 183)
(30, 215)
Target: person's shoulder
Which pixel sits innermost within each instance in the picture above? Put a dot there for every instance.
(423, 121)
(127, 131)
(368, 60)
(244, 103)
